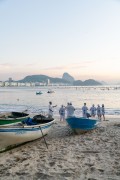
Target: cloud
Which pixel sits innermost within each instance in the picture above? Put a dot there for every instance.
(31, 65)
(71, 66)
(7, 65)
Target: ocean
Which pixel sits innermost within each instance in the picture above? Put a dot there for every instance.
(25, 98)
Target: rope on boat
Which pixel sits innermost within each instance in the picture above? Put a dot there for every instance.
(43, 137)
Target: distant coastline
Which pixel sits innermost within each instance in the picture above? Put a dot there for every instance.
(43, 80)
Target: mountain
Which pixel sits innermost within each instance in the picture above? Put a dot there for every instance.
(89, 82)
(103, 83)
(68, 77)
(78, 83)
(42, 79)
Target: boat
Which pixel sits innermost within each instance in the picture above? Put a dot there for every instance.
(21, 133)
(50, 91)
(38, 92)
(82, 124)
(12, 117)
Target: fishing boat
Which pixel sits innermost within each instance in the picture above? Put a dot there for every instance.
(82, 124)
(38, 93)
(21, 133)
(50, 91)
(12, 117)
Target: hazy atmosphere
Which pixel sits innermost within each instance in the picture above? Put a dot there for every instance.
(81, 37)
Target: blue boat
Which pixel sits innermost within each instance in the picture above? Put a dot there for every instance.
(82, 124)
(38, 92)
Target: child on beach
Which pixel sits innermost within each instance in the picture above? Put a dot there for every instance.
(93, 111)
(99, 112)
(62, 113)
(103, 112)
(84, 110)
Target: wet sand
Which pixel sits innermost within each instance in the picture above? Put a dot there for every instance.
(91, 156)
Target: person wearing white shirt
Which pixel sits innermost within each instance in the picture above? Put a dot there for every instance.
(50, 109)
(70, 110)
(93, 111)
(99, 112)
(62, 113)
(103, 112)
(84, 110)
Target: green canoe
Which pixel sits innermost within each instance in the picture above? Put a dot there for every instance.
(9, 118)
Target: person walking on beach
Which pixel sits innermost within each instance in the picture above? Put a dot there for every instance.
(70, 110)
(103, 112)
(84, 110)
(50, 110)
(93, 111)
(62, 113)
(99, 112)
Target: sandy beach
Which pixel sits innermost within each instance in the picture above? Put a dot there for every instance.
(91, 156)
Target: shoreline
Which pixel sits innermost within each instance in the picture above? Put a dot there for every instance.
(93, 155)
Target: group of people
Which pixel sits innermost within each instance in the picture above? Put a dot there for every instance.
(99, 111)
(69, 109)
(62, 111)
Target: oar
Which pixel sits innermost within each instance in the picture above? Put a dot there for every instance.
(43, 137)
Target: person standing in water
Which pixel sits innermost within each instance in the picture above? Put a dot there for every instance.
(84, 110)
(103, 112)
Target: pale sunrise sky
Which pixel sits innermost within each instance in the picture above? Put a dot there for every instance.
(50, 37)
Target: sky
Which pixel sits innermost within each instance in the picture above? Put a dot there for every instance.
(50, 37)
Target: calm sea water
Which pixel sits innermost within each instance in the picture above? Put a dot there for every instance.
(21, 98)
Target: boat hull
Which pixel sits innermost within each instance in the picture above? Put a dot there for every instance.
(81, 124)
(17, 135)
(38, 93)
(12, 118)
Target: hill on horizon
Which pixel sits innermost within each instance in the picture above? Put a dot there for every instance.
(42, 78)
(67, 80)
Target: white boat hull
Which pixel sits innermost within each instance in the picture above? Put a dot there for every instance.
(17, 135)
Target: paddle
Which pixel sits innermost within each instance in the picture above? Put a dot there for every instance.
(43, 137)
